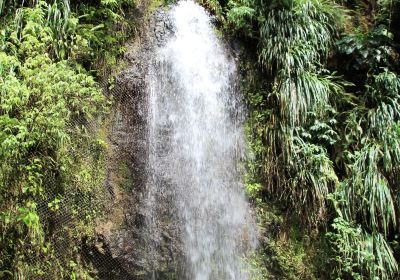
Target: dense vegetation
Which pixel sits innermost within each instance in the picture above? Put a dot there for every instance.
(323, 86)
(52, 57)
(322, 83)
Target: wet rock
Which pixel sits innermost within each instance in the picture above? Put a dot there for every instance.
(122, 237)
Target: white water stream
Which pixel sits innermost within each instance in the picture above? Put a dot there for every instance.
(196, 144)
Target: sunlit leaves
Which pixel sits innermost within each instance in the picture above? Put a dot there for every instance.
(241, 17)
(30, 218)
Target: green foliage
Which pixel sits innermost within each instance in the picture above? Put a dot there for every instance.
(213, 6)
(255, 267)
(367, 202)
(52, 156)
(368, 191)
(360, 253)
(253, 190)
(305, 94)
(285, 252)
(368, 51)
(241, 18)
(311, 178)
(91, 34)
(105, 29)
(293, 39)
(310, 138)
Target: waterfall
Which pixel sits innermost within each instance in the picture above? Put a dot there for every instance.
(196, 140)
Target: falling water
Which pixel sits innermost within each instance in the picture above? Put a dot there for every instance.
(196, 144)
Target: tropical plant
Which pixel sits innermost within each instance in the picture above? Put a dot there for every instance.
(368, 51)
(311, 139)
(368, 196)
(294, 38)
(52, 160)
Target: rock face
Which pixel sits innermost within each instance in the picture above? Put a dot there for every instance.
(137, 240)
(121, 237)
